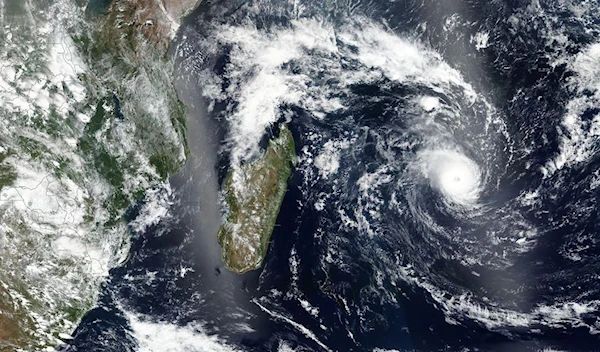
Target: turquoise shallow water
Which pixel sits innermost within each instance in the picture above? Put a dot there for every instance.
(98, 7)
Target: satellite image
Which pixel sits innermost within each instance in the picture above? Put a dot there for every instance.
(299, 175)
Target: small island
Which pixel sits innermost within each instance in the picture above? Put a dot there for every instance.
(253, 196)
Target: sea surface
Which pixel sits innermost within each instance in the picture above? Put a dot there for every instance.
(445, 196)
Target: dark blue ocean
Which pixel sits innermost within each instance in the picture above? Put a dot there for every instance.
(446, 201)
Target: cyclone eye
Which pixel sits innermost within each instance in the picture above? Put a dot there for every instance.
(454, 175)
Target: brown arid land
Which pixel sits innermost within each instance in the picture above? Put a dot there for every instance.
(155, 20)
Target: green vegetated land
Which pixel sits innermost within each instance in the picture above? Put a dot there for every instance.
(7, 173)
(136, 71)
(136, 132)
(254, 195)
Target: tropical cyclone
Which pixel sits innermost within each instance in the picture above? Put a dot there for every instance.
(88, 121)
(253, 195)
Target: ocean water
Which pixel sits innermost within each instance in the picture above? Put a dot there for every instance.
(445, 197)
